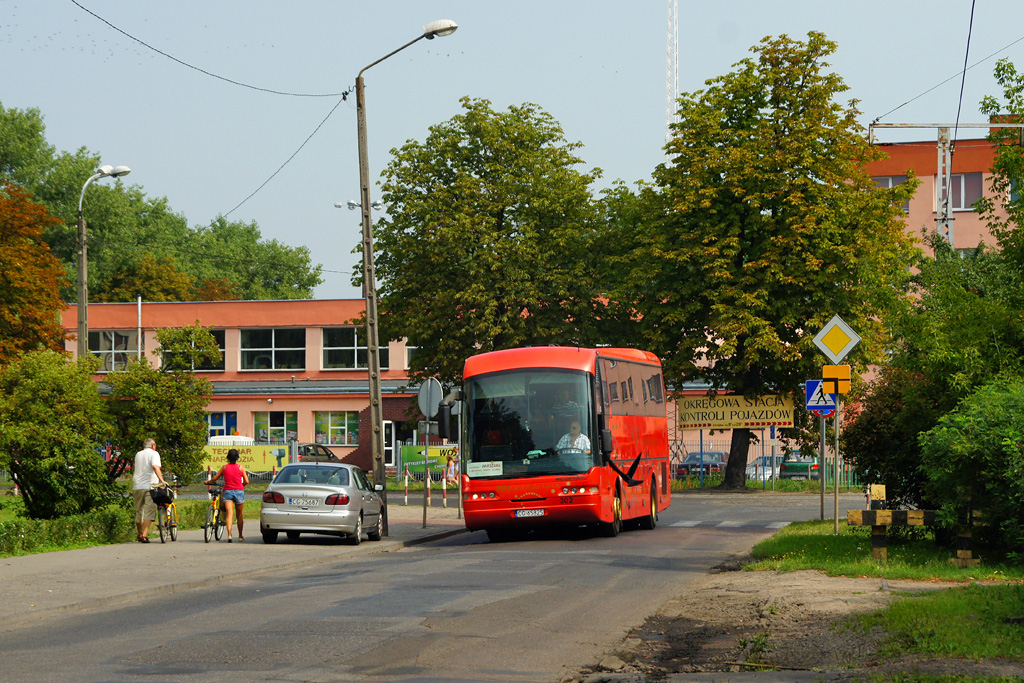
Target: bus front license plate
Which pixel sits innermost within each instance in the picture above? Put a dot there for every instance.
(530, 513)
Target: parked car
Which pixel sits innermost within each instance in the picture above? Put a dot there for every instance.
(314, 452)
(764, 467)
(712, 462)
(321, 498)
(797, 466)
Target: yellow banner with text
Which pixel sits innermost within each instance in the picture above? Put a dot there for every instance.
(252, 458)
(734, 411)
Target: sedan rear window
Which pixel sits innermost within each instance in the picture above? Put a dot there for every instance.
(305, 474)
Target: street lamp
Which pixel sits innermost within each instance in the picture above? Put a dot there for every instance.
(442, 27)
(353, 205)
(83, 261)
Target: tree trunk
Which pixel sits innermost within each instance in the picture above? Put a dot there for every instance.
(736, 469)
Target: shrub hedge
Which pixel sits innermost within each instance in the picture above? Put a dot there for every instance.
(113, 524)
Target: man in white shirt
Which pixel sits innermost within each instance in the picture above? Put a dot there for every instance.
(574, 439)
(147, 473)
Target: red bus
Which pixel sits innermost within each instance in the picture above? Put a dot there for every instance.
(559, 435)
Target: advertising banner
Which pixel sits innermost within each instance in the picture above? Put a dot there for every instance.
(733, 411)
(252, 458)
(413, 457)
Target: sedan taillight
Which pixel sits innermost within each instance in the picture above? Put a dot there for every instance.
(337, 499)
(272, 497)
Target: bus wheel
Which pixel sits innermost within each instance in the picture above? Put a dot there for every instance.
(650, 520)
(613, 527)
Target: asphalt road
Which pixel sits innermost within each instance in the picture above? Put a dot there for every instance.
(458, 609)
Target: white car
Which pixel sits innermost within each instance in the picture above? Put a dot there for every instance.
(763, 468)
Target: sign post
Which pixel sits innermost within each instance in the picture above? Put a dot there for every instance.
(835, 340)
(428, 398)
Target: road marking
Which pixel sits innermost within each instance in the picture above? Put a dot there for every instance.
(729, 524)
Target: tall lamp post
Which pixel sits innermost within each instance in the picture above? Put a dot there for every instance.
(83, 261)
(442, 27)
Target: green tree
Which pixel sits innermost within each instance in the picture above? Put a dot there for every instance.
(124, 226)
(30, 278)
(773, 226)
(186, 348)
(52, 419)
(256, 268)
(152, 279)
(489, 239)
(167, 404)
(882, 430)
(1008, 169)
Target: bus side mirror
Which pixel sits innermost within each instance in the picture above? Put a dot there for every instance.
(606, 444)
(444, 418)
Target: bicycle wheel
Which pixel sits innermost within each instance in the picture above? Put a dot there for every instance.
(209, 526)
(172, 517)
(161, 523)
(218, 528)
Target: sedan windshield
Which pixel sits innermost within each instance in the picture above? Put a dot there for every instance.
(530, 422)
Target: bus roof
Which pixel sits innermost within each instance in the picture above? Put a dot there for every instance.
(563, 357)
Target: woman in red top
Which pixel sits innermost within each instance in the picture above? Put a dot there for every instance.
(235, 479)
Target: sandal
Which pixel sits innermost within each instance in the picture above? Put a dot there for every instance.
(241, 538)
(143, 540)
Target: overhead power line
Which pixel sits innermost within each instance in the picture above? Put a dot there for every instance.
(200, 70)
(956, 75)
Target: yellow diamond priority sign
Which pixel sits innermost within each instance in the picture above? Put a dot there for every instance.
(836, 339)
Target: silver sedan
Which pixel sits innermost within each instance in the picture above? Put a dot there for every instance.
(321, 498)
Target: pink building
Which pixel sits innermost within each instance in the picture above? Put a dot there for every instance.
(290, 369)
(970, 175)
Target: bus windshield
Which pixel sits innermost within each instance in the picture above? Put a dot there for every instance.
(530, 422)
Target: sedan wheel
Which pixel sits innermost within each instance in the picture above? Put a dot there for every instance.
(269, 537)
(292, 535)
(377, 532)
(357, 537)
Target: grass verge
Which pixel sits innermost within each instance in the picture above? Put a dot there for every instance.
(812, 545)
(975, 622)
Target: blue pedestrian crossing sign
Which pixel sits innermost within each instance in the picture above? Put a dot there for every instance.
(818, 401)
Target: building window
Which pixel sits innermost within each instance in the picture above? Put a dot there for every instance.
(410, 351)
(222, 424)
(276, 426)
(114, 349)
(218, 335)
(964, 190)
(345, 349)
(337, 428)
(887, 182)
(274, 349)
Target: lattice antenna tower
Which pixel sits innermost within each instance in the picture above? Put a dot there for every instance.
(672, 75)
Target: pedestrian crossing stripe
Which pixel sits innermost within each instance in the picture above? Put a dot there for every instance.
(690, 523)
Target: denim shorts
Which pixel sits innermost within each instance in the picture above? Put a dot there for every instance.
(235, 495)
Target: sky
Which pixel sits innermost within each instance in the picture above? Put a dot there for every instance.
(179, 91)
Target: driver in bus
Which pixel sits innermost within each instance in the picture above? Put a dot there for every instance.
(574, 439)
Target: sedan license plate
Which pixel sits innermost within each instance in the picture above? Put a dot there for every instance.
(539, 512)
(304, 502)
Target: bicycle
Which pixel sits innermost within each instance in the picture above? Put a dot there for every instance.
(167, 519)
(214, 526)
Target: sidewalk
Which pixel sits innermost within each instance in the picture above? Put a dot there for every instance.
(34, 586)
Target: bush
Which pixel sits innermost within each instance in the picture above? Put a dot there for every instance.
(974, 459)
(114, 524)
